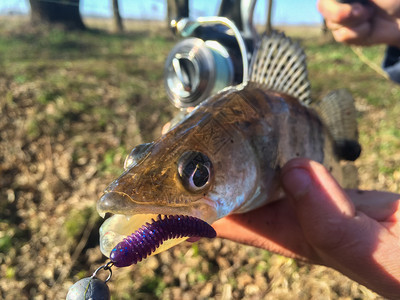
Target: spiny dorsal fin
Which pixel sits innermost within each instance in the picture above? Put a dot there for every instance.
(339, 114)
(280, 65)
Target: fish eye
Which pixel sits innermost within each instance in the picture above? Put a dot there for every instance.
(195, 170)
(136, 155)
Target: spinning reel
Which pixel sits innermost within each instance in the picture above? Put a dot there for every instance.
(213, 55)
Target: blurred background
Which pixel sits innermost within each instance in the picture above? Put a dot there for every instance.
(77, 94)
(284, 11)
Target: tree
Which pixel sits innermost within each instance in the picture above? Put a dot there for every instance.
(117, 16)
(269, 17)
(231, 9)
(176, 10)
(325, 29)
(57, 12)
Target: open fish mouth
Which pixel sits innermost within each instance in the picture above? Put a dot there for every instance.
(118, 227)
(161, 233)
(129, 238)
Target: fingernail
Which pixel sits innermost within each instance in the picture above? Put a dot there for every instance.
(296, 181)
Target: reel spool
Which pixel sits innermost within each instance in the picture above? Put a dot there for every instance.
(196, 69)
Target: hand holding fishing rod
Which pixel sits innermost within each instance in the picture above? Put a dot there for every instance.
(363, 22)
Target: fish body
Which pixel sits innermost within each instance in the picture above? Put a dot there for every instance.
(225, 156)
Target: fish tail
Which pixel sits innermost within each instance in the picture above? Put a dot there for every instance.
(339, 114)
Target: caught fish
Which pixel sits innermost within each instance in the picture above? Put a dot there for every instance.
(225, 156)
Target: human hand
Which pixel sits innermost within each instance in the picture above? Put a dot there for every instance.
(378, 22)
(356, 233)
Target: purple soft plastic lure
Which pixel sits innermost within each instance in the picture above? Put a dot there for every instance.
(149, 237)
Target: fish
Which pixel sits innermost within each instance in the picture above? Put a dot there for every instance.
(225, 156)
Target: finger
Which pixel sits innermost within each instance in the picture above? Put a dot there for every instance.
(358, 35)
(389, 7)
(321, 205)
(273, 227)
(386, 31)
(342, 13)
(381, 31)
(381, 206)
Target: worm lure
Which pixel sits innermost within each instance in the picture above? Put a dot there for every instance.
(150, 236)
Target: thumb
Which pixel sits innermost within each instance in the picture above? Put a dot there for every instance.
(321, 205)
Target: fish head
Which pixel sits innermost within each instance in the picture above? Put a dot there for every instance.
(162, 179)
(195, 169)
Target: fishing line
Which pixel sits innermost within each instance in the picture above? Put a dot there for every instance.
(358, 51)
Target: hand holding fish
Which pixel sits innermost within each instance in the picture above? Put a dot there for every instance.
(225, 156)
(356, 233)
(376, 22)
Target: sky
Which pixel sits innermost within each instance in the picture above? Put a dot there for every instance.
(284, 11)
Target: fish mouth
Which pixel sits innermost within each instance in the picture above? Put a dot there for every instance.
(129, 216)
(121, 203)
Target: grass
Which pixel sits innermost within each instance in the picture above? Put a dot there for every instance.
(76, 221)
(75, 103)
(152, 285)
